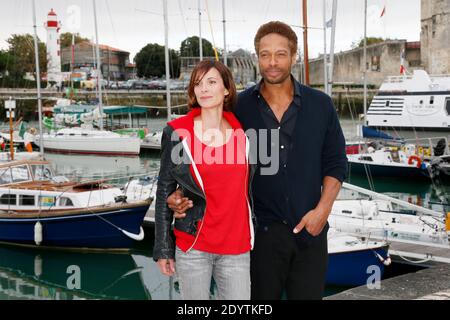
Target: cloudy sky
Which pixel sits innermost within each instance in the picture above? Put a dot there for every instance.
(131, 24)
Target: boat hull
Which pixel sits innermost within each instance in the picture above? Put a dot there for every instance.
(388, 171)
(353, 268)
(100, 146)
(98, 229)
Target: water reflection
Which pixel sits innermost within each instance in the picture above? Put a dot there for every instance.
(27, 273)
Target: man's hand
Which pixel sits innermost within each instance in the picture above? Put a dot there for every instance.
(314, 222)
(166, 266)
(179, 204)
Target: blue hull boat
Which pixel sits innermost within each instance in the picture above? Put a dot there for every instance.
(108, 227)
(355, 267)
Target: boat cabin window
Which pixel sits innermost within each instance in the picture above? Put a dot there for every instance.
(42, 172)
(387, 103)
(447, 106)
(8, 199)
(26, 200)
(365, 158)
(65, 202)
(47, 201)
(20, 173)
(5, 175)
(431, 99)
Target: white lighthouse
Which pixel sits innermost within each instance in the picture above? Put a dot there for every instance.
(53, 49)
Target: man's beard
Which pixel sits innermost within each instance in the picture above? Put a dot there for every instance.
(278, 80)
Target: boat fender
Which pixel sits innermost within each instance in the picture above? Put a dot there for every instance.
(418, 161)
(384, 261)
(38, 233)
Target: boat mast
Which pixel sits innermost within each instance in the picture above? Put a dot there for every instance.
(99, 67)
(365, 62)
(38, 81)
(305, 41)
(72, 66)
(200, 45)
(333, 36)
(225, 57)
(325, 59)
(166, 55)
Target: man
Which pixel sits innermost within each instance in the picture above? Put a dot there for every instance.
(292, 206)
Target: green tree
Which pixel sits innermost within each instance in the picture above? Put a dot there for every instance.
(150, 62)
(190, 47)
(370, 40)
(66, 39)
(21, 49)
(5, 61)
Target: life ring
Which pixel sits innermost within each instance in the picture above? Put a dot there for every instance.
(412, 158)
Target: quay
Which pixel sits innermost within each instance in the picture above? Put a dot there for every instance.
(427, 284)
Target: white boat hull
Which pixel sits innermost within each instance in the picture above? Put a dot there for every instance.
(102, 145)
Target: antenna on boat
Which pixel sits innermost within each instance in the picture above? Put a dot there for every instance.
(38, 81)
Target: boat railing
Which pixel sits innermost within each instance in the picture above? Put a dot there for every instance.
(374, 195)
(430, 144)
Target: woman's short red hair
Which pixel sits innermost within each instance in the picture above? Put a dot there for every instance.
(197, 74)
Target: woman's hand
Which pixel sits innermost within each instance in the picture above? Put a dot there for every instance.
(166, 266)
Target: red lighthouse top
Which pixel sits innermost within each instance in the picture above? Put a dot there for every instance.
(52, 13)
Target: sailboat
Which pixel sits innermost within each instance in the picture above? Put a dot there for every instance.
(38, 208)
(87, 139)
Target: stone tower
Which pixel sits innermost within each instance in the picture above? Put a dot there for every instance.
(435, 36)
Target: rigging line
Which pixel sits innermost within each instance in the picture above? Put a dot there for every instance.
(212, 33)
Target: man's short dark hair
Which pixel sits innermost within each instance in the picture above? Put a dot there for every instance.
(280, 28)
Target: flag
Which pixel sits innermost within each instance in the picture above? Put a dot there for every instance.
(383, 11)
(402, 62)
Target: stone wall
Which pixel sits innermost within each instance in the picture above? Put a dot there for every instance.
(435, 36)
(383, 59)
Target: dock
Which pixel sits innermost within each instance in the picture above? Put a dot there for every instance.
(427, 284)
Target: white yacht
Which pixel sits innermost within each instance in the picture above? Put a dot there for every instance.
(417, 101)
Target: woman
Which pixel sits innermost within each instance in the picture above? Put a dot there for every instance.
(205, 153)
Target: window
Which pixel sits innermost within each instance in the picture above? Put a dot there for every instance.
(365, 158)
(431, 99)
(5, 175)
(387, 103)
(26, 200)
(42, 172)
(447, 106)
(8, 199)
(375, 62)
(65, 202)
(46, 201)
(20, 173)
